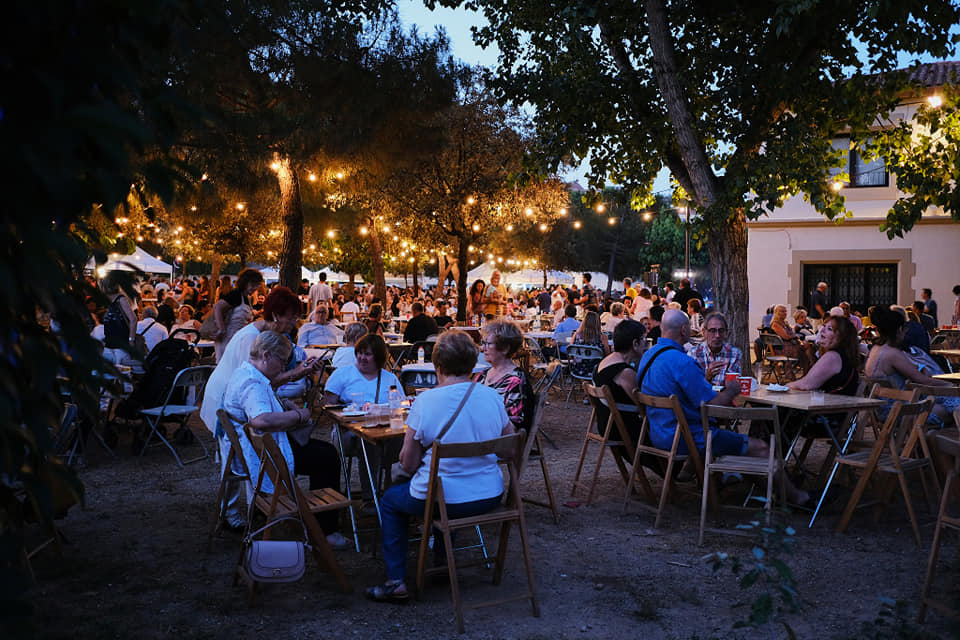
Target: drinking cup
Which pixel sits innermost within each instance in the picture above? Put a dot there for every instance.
(727, 377)
(746, 382)
(817, 397)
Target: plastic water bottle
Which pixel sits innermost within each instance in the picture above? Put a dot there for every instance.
(420, 355)
(395, 398)
(536, 322)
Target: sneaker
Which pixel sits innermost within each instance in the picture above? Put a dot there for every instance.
(337, 541)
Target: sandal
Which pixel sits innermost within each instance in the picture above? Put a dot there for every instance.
(387, 592)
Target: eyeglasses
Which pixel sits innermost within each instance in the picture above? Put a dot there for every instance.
(717, 330)
(488, 343)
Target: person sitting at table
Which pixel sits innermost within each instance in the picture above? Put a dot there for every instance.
(366, 381)
(249, 399)
(281, 310)
(567, 327)
(793, 345)
(801, 324)
(835, 371)
(320, 331)
(589, 333)
(914, 333)
(345, 356)
(420, 326)
(500, 341)
(471, 486)
(186, 321)
(613, 318)
(666, 370)
(619, 372)
(443, 318)
(696, 318)
(715, 355)
(374, 320)
(889, 362)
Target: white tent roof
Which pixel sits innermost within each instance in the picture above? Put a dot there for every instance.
(139, 259)
(524, 276)
(272, 274)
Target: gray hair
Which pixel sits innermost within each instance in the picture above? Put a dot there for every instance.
(454, 353)
(271, 343)
(716, 315)
(353, 332)
(150, 312)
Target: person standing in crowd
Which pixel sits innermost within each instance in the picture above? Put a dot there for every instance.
(686, 294)
(321, 291)
(929, 305)
(233, 310)
(819, 306)
(494, 297)
(588, 295)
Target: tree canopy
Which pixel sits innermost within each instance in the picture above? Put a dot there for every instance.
(739, 100)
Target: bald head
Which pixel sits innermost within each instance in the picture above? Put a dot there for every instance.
(673, 323)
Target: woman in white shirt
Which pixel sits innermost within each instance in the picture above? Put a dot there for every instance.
(471, 486)
(249, 399)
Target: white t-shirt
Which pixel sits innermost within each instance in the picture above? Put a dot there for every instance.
(154, 335)
(483, 417)
(348, 380)
(641, 308)
(236, 353)
(349, 307)
(344, 357)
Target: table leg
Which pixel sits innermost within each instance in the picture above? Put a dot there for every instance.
(346, 473)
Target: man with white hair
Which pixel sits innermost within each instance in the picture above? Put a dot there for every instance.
(152, 331)
(667, 370)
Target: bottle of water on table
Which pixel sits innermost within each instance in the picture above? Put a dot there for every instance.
(395, 398)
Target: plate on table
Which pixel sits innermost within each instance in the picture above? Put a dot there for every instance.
(718, 388)
(354, 414)
(777, 387)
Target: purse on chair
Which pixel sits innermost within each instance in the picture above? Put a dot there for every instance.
(273, 560)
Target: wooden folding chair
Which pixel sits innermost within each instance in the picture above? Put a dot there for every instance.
(288, 499)
(533, 452)
(508, 449)
(892, 453)
(769, 467)
(950, 447)
(230, 475)
(671, 457)
(612, 434)
(581, 361)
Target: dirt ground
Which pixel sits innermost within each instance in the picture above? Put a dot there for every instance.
(136, 566)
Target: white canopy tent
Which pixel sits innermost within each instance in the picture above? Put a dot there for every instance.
(139, 259)
(518, 278)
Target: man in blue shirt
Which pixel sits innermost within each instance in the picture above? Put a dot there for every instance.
(667, 370)
(567, 328)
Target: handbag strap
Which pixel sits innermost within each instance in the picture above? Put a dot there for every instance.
(147, 328)
(463, 401)
(248, 535)
(376, 394)
(646, 367)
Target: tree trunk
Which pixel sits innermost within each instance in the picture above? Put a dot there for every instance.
(376, 256)
(444, 266)
(416, 286)
(544, 276)
(350, 285)
(613, 258)
(728, 257)
(215, 265)
(291, 255)
(462, 280)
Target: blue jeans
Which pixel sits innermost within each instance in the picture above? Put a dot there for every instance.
(396, 507)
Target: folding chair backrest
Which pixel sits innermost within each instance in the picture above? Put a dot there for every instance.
(236, 451)
(904, 425)
(191, 377)
(533, 348)
(583, 358)
(601, 399)
(530, 438)
(737, 414)
(889, 393)
(771, 342)
(930, 390)
(683, 428)
(506, 448)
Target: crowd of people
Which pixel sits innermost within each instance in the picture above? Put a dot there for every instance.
(660, 341)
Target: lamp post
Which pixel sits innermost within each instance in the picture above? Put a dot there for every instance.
(686, 251)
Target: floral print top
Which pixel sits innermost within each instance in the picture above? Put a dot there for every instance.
(510, 388)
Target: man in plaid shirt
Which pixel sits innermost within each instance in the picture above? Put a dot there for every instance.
(715, 355)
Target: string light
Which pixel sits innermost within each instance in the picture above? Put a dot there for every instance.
(935, 101)
(837, 185)
(275, 166)
(509, 227)
(203, 177)
(543, 227)
(471, 200)
(339, 175)
(240, 206)
(563, 211)
(193, 208)
(611, 221)
(476, 227)
(600, 207)
(331, 233)
(312, 177)
(529, 212)
(576, 224)
(363, 231)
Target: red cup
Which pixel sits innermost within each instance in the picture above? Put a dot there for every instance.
(745, 384)
(730, 376)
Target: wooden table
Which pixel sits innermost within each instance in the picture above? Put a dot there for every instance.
(949, 377)
(831, 403)
(951, 355)
(375, 436)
